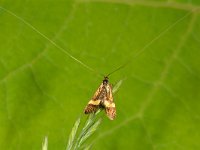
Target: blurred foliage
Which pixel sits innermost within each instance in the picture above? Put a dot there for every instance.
(43, 90)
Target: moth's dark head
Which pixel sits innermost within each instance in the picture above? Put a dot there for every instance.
(105, 81)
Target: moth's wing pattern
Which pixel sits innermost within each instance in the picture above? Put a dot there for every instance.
(96, 94)
(111, 112)
(102, 98)
(93, 104)
(109, 104)
(110, 96)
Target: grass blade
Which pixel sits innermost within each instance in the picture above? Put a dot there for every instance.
(117, 86)
(45, 143)
(73, 134)
(90, 131)
(89, 126)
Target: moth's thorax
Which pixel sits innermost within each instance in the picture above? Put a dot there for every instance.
(108, 88)
(103, 92)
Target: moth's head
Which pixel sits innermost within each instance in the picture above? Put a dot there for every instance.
(105, 81)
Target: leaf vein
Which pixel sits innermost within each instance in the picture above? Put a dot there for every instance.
(168, 65)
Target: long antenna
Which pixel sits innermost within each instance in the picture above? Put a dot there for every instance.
(134, 55)
(52, 42)
(120, 67)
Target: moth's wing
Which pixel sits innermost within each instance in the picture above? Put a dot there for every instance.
(109, 93)
(109, 104)
(92, 106)
(96, 94)
(110, 109)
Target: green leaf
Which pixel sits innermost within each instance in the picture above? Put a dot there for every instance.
(53, 55)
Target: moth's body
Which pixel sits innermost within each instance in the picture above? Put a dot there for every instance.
(102, 99)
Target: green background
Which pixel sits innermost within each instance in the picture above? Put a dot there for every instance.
(43, 91)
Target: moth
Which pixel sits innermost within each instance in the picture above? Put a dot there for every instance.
(102, 99)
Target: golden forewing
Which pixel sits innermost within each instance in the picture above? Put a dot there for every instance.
(109, 94)
(97, 92)
(110, 106)
(111, 112)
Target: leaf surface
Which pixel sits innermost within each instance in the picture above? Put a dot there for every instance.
(43, 89)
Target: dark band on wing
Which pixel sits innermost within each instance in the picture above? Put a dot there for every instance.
(90, 108)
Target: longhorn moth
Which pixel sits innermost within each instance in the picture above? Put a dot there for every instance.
(102, 99)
